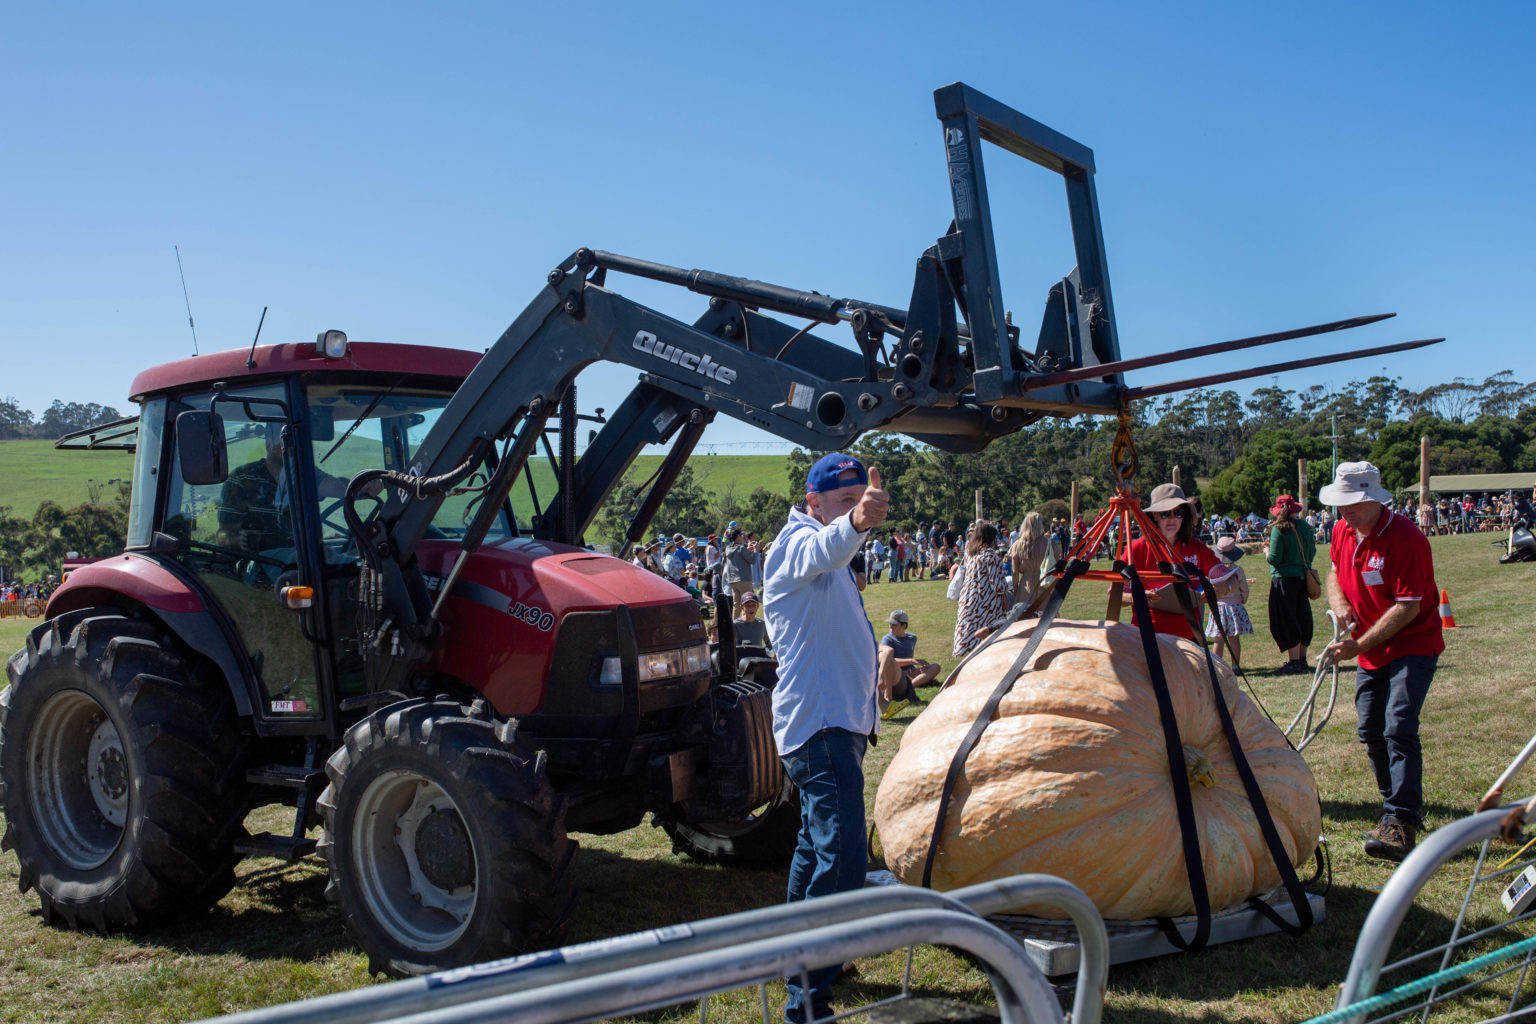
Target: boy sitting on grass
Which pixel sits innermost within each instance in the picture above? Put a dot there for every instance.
(901, 671)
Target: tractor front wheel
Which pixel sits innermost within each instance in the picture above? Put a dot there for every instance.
(445, 840)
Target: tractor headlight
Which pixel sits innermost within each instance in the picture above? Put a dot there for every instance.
(659, 665)
(696, 658)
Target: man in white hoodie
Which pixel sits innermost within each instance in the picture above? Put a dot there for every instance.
(824, 704)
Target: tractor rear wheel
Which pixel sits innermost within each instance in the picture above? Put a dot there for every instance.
(445, 840)
(122, 773)
(763, 837)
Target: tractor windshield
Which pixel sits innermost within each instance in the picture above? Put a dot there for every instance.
(357, 428)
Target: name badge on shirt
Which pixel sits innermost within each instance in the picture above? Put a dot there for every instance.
(1371, 577)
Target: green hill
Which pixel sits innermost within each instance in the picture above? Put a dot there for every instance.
(34, 471)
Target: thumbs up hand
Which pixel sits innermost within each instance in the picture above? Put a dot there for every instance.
(873, 507)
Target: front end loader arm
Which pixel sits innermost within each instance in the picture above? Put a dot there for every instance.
(818, 395)
(949, 370)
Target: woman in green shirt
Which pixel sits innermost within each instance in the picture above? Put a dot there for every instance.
(1289, 552)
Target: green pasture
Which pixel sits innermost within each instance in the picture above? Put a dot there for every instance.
(274, 938)
(34, 471)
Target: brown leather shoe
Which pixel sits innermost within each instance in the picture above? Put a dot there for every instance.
(1390, 840)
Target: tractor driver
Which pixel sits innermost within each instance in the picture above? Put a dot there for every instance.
(253, 503)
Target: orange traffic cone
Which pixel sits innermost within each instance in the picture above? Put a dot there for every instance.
(1447, 620)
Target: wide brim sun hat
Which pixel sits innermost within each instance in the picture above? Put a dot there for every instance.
(1353, 483)
(1165, 498)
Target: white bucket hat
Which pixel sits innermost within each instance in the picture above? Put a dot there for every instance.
(1355, 482)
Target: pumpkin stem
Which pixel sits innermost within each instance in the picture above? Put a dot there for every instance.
(1199, 767)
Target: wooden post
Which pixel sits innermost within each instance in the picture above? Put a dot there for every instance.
(1076, 504)
(1301, 484)
(978, 505)
(1176, 477)
(1426, 519)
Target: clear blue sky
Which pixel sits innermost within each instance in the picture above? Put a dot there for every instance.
(409, 172)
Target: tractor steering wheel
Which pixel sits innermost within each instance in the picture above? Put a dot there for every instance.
(235, 554)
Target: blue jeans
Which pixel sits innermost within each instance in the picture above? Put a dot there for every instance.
(1388, 701)
(831, 855)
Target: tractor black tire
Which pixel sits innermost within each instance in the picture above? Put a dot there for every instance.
(764, 837)
(445, 840)
(122, 773)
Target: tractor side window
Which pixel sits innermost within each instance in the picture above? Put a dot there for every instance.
(146, 472)
(238, 538)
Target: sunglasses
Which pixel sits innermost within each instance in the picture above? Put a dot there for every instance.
(1175, 514)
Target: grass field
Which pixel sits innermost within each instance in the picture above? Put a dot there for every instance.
(274, 938)
(35, 471)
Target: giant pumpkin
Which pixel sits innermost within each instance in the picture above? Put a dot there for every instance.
(1072, 780)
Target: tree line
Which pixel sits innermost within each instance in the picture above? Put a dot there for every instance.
(60, 418)
(33, 549)
(1237, 453)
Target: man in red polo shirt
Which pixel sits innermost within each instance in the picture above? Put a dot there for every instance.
(1383, 592)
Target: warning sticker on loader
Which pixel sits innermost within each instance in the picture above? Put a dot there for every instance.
(800, 396)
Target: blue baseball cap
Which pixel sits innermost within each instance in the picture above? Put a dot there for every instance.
(824, 476)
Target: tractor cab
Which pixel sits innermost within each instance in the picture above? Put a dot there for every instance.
(239, 479)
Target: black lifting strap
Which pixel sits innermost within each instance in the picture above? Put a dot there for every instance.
(1282, 860)
(1194, 867)
(989, 710)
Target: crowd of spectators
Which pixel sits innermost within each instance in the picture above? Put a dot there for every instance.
(929, 552)
(1011, 560)
(731, 562)
(15, 596)
(717, 564)
(1483, 514)
(25, 591)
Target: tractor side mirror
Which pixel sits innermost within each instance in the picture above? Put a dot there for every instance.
(200, 447)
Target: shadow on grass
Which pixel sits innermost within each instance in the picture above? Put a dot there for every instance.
(278, 911)
(1275, 966)
(1371, 812)
(274, 912)
(619, 893)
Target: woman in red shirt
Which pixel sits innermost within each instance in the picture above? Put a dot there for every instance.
(1174, 514)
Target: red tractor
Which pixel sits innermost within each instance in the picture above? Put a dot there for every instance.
(216, 665)
(345, 588)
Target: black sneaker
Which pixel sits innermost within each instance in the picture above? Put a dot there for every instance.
(1390, 840)
(819, 1011)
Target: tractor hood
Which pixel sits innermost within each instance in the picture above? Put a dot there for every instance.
(552, 577)
(504, 617)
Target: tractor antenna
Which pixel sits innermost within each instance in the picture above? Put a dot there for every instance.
(250, 359)
(188, 301)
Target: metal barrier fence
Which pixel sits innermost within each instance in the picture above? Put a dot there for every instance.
(1496, 979)
(620, 976)
(30, 607)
